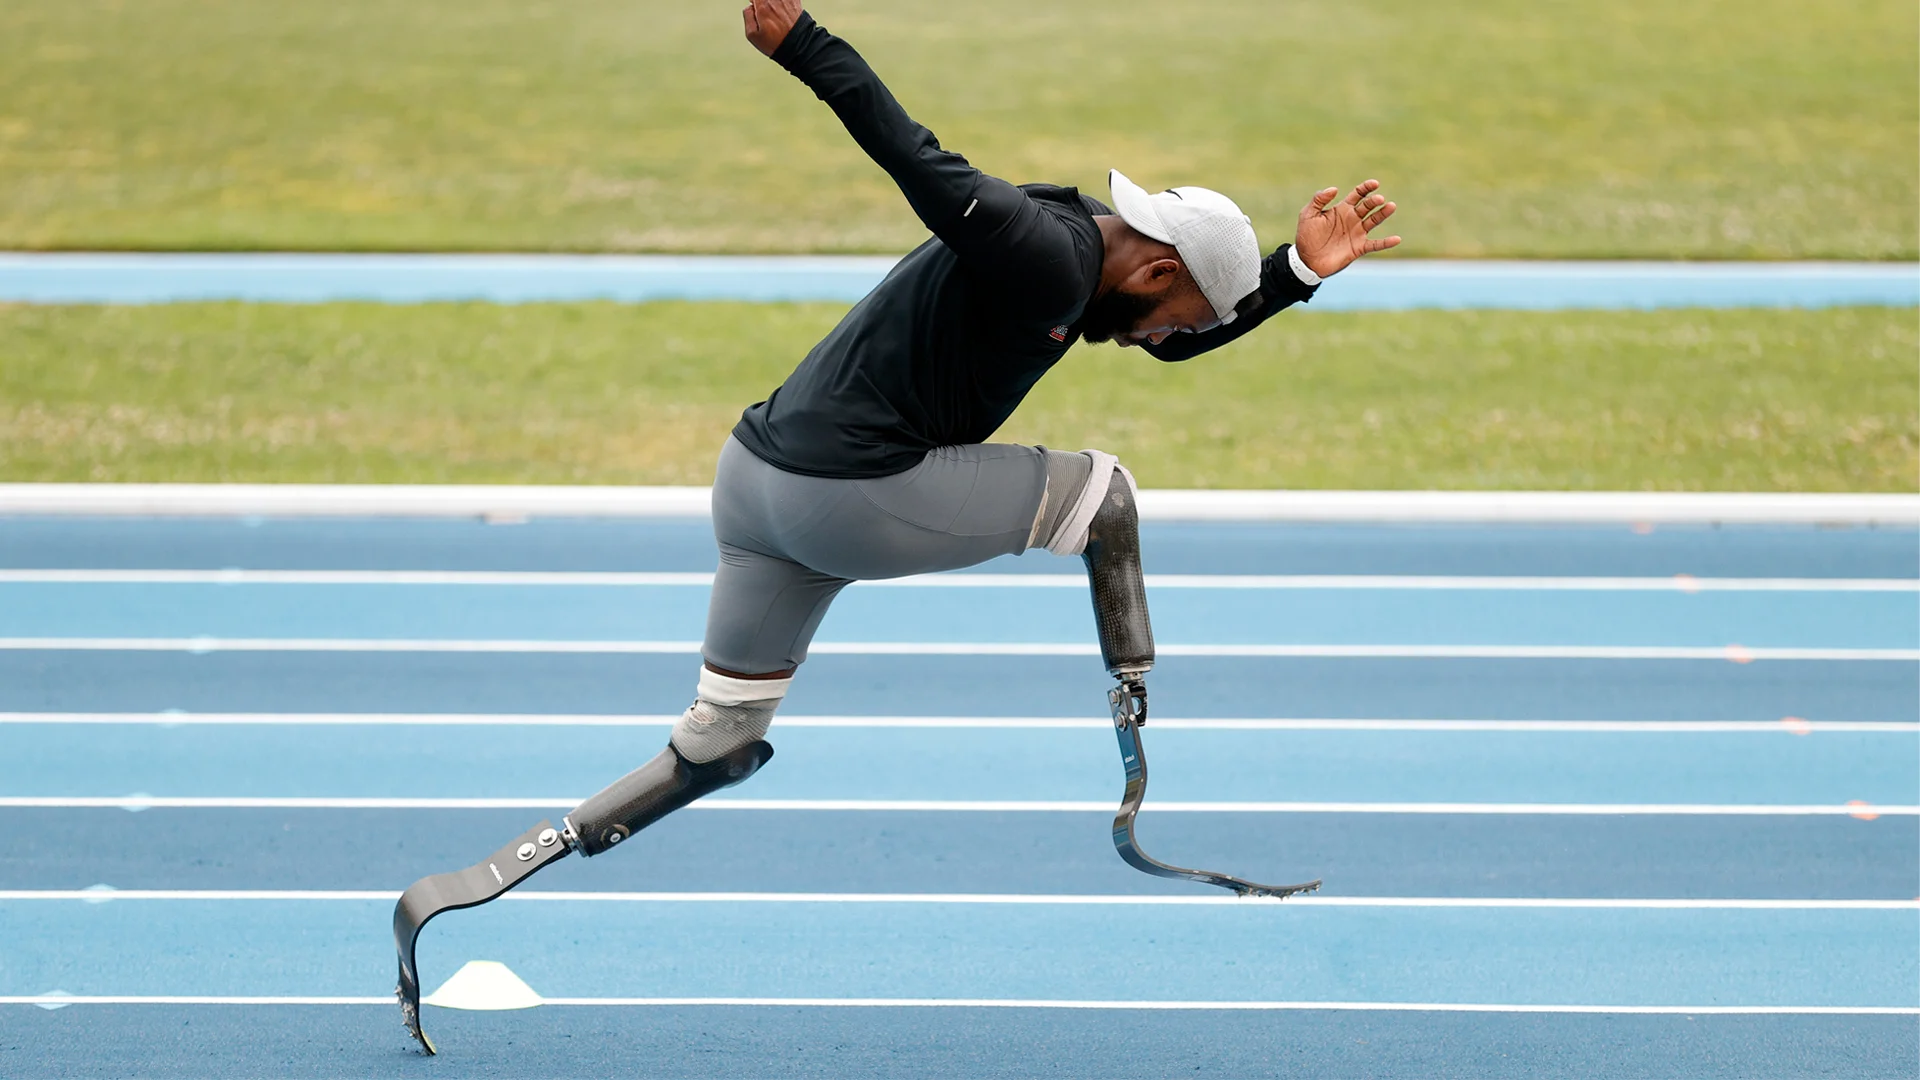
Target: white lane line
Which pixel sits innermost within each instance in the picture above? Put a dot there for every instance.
(381, 645)
(1682, 583)
(100, 896)
(63, 1000)
(237, 576)
(512, 502)
(386, 1001)
(1791, 725)
(375, 802)
(1734, 653)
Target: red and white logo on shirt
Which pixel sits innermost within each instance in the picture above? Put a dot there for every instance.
(1058, 333)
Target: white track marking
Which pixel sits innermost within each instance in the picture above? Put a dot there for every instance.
(353, 577)
(1062, 806)
(1789, 726)
(1736, 653)
(186, 999)
(511, 502)
(354, 645)
(386, 1001)
(1501, 583)
(99, 896)
(1680, 583)
(1258, 1006)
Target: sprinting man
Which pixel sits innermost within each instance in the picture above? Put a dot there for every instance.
(870, 461)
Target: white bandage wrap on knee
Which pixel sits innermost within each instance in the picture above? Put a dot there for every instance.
(726, 714)
(1039, 518)
(727, 690)
(1071, 537)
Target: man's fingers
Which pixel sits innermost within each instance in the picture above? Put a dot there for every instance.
(1377, 215)
(1382, 245)
(1323, 197)
(768, 22)
(1365, 188)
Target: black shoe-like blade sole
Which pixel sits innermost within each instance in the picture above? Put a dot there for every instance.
(458, 889)
(1126, 725)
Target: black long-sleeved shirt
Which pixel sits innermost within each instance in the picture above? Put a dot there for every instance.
(944, 349)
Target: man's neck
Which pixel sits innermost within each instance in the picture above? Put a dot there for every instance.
(1117, 258)
(1126, 250)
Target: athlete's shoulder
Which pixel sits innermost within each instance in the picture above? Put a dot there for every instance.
(1073, 209)
(1077, 212)
(1068, 197)
(1051, 192)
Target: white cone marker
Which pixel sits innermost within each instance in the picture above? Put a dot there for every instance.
(483, 985)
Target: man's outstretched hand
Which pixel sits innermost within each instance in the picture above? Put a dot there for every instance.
(769, 22)
(1333, 234)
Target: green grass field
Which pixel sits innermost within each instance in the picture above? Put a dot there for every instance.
(1647, 128)
(1641, 128)
(603, 393)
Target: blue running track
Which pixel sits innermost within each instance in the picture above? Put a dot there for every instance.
(1587, 801)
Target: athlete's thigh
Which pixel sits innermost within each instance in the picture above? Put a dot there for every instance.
(961, 506)
(764, 611)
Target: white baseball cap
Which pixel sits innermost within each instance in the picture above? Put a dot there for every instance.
(1213, 237)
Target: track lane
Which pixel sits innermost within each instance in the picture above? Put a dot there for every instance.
(721, 1043)
(956, 764)
(993, 615)
(702, 948)
(826, 851)
(957, 686)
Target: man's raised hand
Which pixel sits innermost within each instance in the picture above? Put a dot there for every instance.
(1333, 234)
(769, 21)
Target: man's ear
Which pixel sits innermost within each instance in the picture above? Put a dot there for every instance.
(1158, 275)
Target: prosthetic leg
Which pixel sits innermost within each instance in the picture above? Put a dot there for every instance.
(637, 800)
(1112, 556)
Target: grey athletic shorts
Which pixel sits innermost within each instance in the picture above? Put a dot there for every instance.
(790, 543)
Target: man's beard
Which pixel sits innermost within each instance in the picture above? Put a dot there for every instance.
(1117, 312)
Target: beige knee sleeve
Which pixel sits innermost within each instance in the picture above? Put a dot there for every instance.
(726, 714)
(1065, 516)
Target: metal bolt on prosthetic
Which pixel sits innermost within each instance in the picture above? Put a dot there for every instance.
(1119, 587)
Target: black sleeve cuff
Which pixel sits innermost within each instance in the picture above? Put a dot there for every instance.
(789, 51)
(1280, 283)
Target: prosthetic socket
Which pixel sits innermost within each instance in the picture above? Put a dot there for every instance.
(717, 744)
(653, 791)
(1119, 587)
(1096, 518)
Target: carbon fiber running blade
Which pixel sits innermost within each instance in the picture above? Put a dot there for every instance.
(1126, 725)
(458, 889)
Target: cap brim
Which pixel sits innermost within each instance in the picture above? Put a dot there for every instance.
(1135, 207)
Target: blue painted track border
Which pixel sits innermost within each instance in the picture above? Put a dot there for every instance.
(1386, 284)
